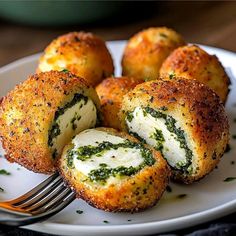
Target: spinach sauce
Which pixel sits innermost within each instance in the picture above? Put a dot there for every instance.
(55, 129)
(104, 172)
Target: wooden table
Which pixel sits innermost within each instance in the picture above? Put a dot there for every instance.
(210, 23)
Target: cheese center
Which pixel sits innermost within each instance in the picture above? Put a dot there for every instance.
(109, 158)
(82, 115)
(155, 132)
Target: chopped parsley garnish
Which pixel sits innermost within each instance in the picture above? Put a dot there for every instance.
(4, 172)
(79, 212)
(168, 189)
(129, 116)
(229, 179)
(181, 196)
(1, 189)
(65, 70)
(172, 75)
(129, 220)
(228, 148)
(163, 35)
(105, 221)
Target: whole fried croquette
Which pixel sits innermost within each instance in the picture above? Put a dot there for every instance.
(83, 54)
(113, 171)
(192, 62)
(110, 92)
(184, 119)
(146, 51)
(41, 115)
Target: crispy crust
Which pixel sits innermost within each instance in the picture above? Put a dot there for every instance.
(199, 113)
(146, 51)
(84, 54)
(27, 112)
(192, 62)
(131, 194)
(111, 92)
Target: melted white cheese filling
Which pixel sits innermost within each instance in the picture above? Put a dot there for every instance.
(146, 125)
(112, 158)
(75, 119)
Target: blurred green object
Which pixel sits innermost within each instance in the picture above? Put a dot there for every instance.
(57, 13)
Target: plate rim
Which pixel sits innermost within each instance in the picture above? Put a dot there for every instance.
(159, 226)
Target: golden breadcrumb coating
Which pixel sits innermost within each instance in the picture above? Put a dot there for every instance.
(84, 54)
(110, 92)
(198, 111)
(131, 193)
(192, 62)
(146, 51)
(27, 113)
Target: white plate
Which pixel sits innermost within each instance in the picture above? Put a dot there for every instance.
(206, 200)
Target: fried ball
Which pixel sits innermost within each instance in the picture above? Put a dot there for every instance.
(192, 62)
(40, 116)
(184, 119)
(84, 54)
(113, 171)
(146, 51)
(111, 92)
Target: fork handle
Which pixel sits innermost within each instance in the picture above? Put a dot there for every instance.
(4, 207)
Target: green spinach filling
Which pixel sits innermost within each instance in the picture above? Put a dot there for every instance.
(170, 123)
(55, 128)
(158, 136)
(104, 172)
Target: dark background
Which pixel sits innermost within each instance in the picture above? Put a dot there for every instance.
(206, 22)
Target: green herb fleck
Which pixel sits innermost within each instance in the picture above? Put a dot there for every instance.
(234, 136)
(158, 136)
(129, 220)
(4, 172)
(129, 116)
(172, 75)
(228, 148)
(103, 165)
(229, 179)
(137, 137)
(79, 212)
(65, 70)
(163, 35)
(181, 196)
(168, 189)
(1, 189)
(105, 221)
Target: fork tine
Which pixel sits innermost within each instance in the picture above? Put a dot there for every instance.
(27, 196)
(33, 219)
(54, 203)
(48, 198)
(41, 195)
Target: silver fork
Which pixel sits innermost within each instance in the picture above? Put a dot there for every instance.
(43, 201)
